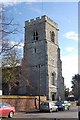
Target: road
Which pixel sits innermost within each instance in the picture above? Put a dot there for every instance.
(72, 113)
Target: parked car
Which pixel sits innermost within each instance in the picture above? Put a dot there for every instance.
(48, 106)
(60, 105)
(78, 102)
(70, 98)
(63, 105)
(6, 110)
(67, 105)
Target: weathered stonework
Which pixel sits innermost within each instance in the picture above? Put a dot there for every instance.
(42, 64)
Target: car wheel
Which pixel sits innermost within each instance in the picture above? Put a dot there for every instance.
(11, 114)
(50, 110)
(68, 108)
(57, 110)
(63, 109)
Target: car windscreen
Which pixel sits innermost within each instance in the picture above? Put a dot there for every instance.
(59, 103)
(0, 105)
(45, 104)
(4, 105)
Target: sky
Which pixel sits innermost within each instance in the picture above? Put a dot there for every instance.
(65, 14)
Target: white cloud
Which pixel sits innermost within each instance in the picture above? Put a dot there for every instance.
(71, 35)
(7, 2)
(12, 3)
(19, 45)
(69, 49)
(17, 1)
(69, 68)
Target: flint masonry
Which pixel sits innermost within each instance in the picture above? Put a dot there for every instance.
(43, 66)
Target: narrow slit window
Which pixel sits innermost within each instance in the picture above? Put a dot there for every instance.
(35, 50)
(53, 79)
(53, 36)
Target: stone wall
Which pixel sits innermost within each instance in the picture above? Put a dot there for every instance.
(23, 103)
(35, 58)
(40, 58)
(52, 47)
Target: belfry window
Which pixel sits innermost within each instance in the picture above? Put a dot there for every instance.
(53, 36)
(35, 35)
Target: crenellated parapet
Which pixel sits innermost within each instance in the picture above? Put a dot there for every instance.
(38, 19)
(41, 19)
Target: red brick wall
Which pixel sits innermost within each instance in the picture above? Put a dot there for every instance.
(22, 103)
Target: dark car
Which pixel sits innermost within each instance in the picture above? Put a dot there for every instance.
(6, 110)
(78, 102)
(48, 106)
(60, 105)
(63, 105)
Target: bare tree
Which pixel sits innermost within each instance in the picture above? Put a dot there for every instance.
(7, 28)
(8, 51)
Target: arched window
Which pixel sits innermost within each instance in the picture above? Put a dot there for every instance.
(35, 35)
(52, 36)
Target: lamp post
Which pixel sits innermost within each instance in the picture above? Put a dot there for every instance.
(79, 115)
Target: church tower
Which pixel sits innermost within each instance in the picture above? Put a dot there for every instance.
(41, 65)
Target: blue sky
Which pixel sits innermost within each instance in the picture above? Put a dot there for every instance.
(63, 13)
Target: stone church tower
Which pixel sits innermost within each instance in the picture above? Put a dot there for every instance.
(42, 63)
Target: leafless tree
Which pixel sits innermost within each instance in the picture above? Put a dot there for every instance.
(7, 28)
(8, 51)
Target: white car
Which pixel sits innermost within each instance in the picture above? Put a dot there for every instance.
(67, 105)
(0, 92)
(49, 106)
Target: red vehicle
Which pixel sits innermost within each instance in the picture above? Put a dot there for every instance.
(6, 110)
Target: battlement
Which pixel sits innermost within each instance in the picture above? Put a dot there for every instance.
(34, 20)
(40, 19)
